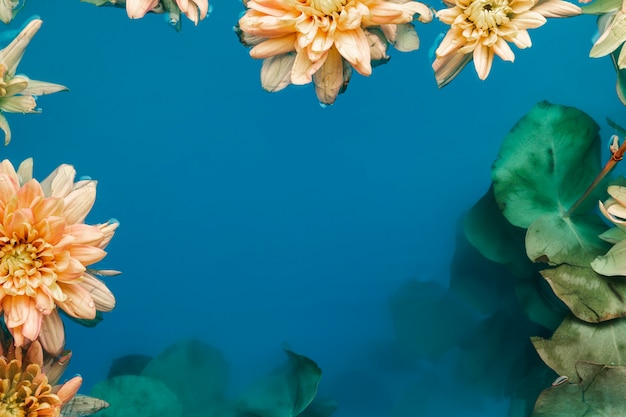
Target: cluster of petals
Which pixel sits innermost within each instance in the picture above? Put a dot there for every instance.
(17, 92)
(302, 41)
(195, 10)
(27, 384)
(45, 249)
(480, 29)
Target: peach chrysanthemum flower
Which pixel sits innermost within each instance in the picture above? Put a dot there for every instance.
(318, 40)
(480, 29)
(45, 249)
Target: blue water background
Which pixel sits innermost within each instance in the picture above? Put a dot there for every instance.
(250, 219)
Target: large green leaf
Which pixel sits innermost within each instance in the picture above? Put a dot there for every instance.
(495, 238)
(576, 340)
(545, 163)
(590, 297)
(601, 393)
(285, 392)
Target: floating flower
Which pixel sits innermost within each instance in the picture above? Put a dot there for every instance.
(17, 92)
(321, 40)
(614, 209)
(9, 8)
(195, 10)
(45, 249)
(481, 28)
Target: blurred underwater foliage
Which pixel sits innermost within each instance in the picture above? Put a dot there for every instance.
(523, 293)
(190, 378)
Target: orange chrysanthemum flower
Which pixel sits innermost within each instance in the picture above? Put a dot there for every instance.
(318, 40)
(26, 387)
(480, 29)
(45, 249)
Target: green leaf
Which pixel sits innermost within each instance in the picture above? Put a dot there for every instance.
(545, 164)
(601, 393)
(285, 392)
(576, 340)
(539, 303)
(556, 240)
(495, 238)
(590, 297)
(601, 6)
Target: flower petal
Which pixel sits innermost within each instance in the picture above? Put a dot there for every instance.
(276, 72)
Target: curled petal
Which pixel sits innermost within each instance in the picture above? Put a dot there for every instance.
(52, 336)
(329, 78)
(276, 72)
(353, 46)
(100, 293)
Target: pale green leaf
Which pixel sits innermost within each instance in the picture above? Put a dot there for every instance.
(601, 6)
(601, 393)
(613, 263)
(576, 340)
(590, 297)
(573, 240)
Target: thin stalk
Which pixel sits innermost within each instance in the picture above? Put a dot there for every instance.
(617, 155)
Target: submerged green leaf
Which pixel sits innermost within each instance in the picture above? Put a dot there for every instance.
(177, 367)
(285, 392)
(133, 395)
(495, 238)
(545, 163)
(576, 340)
(428, 320)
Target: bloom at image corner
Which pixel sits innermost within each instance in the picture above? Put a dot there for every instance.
(45, 249)
(480, 29)
(28, 383)
(301, 39)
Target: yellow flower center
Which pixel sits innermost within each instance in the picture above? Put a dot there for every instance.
(10, 408)
(328, 7)
(489, 14)
(22, 264)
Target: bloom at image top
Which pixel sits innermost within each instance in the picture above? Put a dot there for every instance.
(195, 10)
(17, 92)
(45, 249)
(480, 29)
(319, 40)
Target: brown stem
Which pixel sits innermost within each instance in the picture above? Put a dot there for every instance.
(618, 154)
